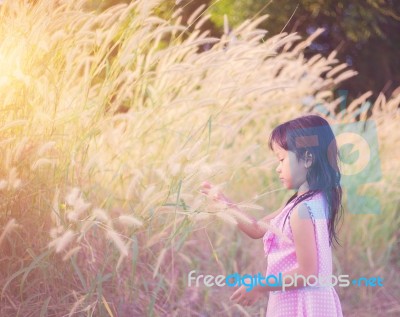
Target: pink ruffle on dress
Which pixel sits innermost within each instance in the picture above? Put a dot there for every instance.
(319, 301)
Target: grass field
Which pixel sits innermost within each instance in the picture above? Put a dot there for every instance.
(110, 122)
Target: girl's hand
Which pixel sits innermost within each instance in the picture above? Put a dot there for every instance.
(241, 297)
(215, 193)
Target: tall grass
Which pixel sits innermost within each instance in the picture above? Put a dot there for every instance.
(111, 120)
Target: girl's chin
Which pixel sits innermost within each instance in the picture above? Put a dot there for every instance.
(285, 184)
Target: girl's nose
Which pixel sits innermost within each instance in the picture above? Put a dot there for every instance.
(278, 170)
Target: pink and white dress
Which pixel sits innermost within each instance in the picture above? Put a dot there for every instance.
(319, 301)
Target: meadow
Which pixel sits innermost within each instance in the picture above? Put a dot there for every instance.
(111, 121)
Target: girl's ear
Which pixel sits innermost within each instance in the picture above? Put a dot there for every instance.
(308, 159)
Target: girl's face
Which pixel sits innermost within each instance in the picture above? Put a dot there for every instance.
(292, 172)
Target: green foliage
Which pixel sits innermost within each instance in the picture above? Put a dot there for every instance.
(361, 31)
(358, 20)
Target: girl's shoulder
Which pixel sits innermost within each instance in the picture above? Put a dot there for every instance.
(316, 205)
(316, 198)
(319, 195)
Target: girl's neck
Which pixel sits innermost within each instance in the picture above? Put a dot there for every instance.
(303, 189)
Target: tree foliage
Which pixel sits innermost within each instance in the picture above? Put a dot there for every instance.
(365, 33)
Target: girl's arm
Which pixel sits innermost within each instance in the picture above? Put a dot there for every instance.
(250, 225)
(247, 224)
(267, 220)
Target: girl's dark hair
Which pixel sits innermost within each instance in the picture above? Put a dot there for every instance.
(312, 134)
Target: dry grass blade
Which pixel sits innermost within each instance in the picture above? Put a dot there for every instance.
(159, 261)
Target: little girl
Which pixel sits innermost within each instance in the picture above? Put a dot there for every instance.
(308, 163)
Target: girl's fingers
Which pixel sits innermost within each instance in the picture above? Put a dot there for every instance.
(204, 191)
(206, 184)
(205, 187)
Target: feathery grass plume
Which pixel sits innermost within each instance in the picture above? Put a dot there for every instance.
(217, 206)
(10, 226)
(45, 148)
(73, 196)
(248, 205)
(226, 217)
(148, 192)
(130, 221)
(199, 216)
(77, 203)
(61, 242)
(100, 214)
(43, 162)
(119, 243)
